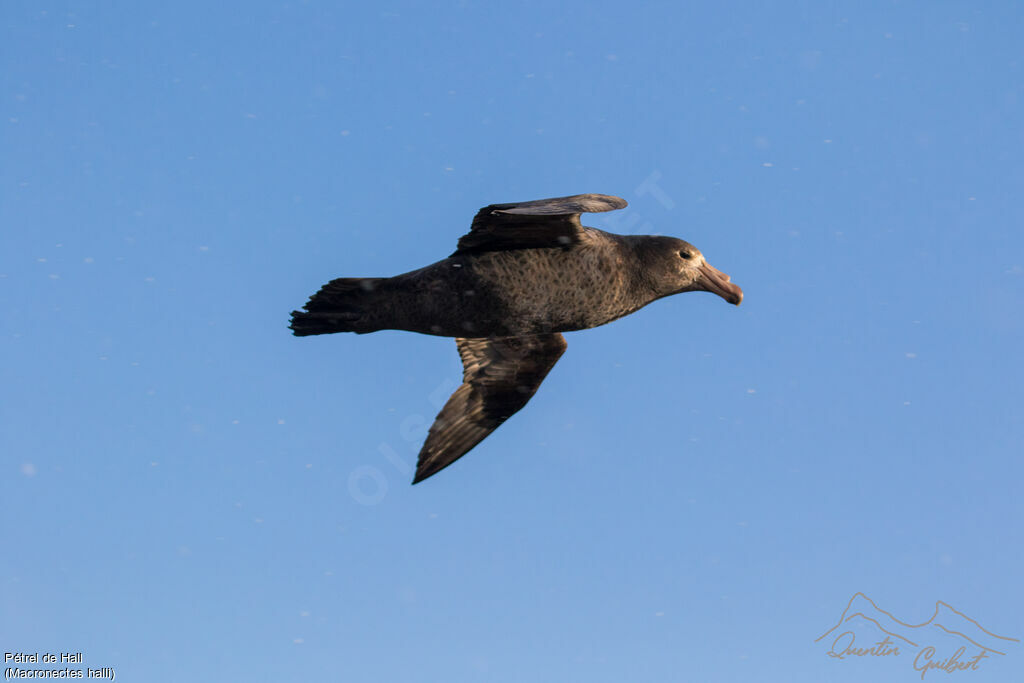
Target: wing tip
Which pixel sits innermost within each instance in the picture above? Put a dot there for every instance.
(610, 199)
(424, 472)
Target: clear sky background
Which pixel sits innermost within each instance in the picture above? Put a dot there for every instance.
(695, 493)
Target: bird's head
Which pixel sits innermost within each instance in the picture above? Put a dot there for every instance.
(672, 266)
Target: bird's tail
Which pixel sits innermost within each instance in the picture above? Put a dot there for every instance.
(341, 305)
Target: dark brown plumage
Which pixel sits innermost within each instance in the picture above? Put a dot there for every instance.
(523, 274)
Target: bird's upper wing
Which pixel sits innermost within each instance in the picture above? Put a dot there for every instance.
(499, 376)
(541, 223)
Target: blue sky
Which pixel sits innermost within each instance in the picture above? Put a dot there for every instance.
(696, 491)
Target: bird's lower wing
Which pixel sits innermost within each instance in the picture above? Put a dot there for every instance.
(499, 378)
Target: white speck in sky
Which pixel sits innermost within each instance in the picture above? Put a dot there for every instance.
(911, 355)
(751, 391)
(298, 641)
(280, 422)
(28, 469)
(767, 164)
(88, 259)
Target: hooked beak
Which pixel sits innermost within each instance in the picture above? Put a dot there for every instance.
(715, 281)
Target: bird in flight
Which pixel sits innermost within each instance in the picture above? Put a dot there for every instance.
(522, 275)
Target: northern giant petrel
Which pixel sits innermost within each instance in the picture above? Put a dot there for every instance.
(523, 273)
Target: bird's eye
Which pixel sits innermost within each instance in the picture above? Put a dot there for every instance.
(686, 254)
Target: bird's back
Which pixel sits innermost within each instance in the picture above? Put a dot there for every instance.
(563, 289)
